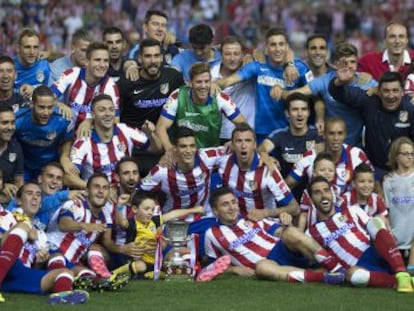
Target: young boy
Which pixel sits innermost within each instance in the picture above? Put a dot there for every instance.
(144, 227)
(362, 193)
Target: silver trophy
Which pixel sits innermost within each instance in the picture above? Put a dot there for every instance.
(176, 267)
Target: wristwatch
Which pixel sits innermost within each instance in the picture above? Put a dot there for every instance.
(288, 64)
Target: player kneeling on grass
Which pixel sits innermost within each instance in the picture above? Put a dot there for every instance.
(23, 246)
(362, 244)
(253, 248)
(144, 228)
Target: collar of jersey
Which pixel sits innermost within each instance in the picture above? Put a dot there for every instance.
(255, 162)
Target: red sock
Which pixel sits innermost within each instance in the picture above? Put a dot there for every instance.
(57, 262)
(388, 250)
(10, 250)
(326, 260)
(86, 272)
(63, 282)
(314, 276)
(307, 276)
(381, 279)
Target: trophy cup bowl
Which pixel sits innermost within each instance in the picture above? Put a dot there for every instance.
(177, 268)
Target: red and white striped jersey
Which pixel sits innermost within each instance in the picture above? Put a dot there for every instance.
(91, 155)
(78, 95)
(73, 245)
(307, 206)
(255, 188)
(351, 157)
(7, 220)
(375, 204)
(31, 247)
(185, 189)
(246, 242)
(344, 235)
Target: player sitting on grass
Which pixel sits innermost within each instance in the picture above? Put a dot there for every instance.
(23, 246)
(324, 166)
(362, 244)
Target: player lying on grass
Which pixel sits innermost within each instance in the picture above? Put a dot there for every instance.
(254, 249)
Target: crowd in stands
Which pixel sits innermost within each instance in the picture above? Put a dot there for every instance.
(285, 149)
(361, 22)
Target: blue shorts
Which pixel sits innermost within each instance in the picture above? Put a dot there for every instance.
(285, 257)
(371, 261)
(200, 227)
(24, 280)
(215, 181)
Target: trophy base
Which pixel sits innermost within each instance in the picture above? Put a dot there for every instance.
(179, 274)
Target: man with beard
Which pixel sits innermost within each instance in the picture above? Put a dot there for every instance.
(11, 155)
(114, 38)
(127, 175)
(363, 245)
(143, 99)
(193, 107)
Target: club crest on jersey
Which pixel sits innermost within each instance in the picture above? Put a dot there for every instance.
(248, 224)
(12, 156)
(342, 218)
(310, 145)
(40, 76)
(403, 117)
(121, 147)
(345, 174)
(164, 88)
(252, 185)
(51, 135)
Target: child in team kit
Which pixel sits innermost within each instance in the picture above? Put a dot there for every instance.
(363, 195)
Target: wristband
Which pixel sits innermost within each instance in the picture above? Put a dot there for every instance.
(120, 208)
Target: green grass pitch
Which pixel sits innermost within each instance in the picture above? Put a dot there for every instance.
(227, 293)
